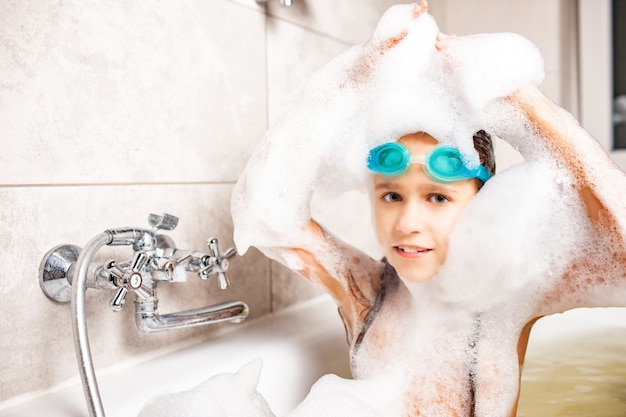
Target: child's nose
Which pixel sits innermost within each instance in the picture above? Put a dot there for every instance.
(411, 219)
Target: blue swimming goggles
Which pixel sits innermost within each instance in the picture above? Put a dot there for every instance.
(443, 164)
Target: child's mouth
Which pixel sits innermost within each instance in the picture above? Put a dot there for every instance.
(411, 251)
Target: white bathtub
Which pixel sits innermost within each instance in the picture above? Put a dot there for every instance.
(297, 346)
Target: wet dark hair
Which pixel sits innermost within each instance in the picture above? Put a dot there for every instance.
(484, 146)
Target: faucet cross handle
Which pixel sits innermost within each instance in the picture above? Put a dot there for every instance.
(127, 279)
(163, 222)
(217, 263)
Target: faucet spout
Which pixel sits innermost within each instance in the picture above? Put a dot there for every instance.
(149, 320)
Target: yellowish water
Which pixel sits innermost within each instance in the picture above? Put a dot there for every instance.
(581, 375)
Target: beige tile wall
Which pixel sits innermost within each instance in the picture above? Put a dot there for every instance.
(110, 110)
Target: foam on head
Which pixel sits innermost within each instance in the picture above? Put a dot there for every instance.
(395, 84)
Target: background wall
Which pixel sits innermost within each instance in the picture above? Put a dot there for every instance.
(111, 110)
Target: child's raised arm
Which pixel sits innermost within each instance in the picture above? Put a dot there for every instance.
(596, 277)
(350, 276)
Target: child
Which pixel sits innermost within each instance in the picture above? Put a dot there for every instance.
(455, 345)
(417, 201)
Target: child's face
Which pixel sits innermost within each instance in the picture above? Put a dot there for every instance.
(415, 214)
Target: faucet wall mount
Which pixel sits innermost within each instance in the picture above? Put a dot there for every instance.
(55, 272)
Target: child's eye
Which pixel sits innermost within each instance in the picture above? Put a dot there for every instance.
(438, 199)
(392, 197)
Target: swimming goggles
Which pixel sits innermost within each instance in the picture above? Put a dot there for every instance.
(443, 164)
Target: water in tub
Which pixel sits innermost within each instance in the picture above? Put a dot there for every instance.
(540, 238)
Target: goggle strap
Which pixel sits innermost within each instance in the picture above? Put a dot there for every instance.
(483, 173)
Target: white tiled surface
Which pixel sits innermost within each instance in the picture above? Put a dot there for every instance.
(110, 110)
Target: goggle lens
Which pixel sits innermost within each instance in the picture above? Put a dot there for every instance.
(390, 159)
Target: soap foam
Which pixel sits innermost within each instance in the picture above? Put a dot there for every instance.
(454, 349)
(514, 257)
(333, 396)
(369, 95)
(225, 395)
(374, 94)
(526, 227)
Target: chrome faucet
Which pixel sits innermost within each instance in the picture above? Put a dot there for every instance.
(66, 272)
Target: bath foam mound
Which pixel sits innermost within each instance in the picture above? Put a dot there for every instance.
(225, 395)
(396, 83)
